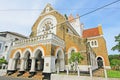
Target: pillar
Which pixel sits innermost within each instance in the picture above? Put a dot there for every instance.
(22, 66)
(67, 68)
(78, 69)
(47, 64)
(32, 65)
(10, 64)
(58, 69)
(105, 72)
(90, 69)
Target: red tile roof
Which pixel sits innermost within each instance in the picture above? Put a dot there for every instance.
(91, 32)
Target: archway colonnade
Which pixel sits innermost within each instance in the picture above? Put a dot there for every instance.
(27, 61)
(37, 61)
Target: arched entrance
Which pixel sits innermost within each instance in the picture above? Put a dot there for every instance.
(27, 61)
(39, 63)
(17, 61)
(59, 62)
(100, 62)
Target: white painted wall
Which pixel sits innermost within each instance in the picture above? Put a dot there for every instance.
(7, 41)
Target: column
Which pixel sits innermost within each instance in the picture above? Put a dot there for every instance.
(67, 68)
(90, 69)
(78, 69)
(47, 64)
(10, 64)
(58, 69)
(105, 72)
(33, 65)
(22, 66)
(14, 64)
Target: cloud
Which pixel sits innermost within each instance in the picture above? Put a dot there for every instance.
(20, 20)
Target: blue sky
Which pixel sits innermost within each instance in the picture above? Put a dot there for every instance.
(21, 21)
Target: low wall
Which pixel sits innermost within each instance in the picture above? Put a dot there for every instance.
(74, 77)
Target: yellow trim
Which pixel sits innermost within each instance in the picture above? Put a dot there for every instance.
(32, 48)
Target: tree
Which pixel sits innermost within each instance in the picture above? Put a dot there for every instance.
(115, 61)
(74, 59)
(117, 46)
(115, 64)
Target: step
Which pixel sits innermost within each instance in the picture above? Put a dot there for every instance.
(38, 75)
(99, 73)
(25, 75)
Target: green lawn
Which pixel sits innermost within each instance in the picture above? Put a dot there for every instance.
(113, 74)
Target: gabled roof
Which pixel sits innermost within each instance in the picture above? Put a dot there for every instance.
(13, 33)
(92, 32)
(47, 6)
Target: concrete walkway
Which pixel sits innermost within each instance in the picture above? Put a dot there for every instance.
(74, 77)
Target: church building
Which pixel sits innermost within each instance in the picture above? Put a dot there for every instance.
(52, 40)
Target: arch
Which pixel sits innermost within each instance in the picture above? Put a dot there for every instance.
(57, 50)
(60, 62)
(16, 57)
(100, 61)
(17, 53)
(25, 53)
(38, 54)
(70, 50)
(35, 53)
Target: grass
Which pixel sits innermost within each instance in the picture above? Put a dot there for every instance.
(113, 74)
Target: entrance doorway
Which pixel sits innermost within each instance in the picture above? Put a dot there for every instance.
(100, 62)
(59, 62)
(17, 63)
(39, 64)
(27, 61)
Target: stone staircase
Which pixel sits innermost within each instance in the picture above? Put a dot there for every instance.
(99, 73)
(14, 74)
(25, 75)
(38, 76)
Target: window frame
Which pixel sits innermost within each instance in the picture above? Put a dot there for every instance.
(93, 43)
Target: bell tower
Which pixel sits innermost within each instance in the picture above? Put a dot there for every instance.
(76, 24)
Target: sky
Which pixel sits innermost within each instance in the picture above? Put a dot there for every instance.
(20, 15)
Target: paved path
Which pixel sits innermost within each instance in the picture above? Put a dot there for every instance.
(12, 78)
(73, 77)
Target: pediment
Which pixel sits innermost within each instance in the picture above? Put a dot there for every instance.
(47, 9)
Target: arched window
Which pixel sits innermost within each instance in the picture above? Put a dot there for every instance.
(93, 43)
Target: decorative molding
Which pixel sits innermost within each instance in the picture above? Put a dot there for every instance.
(43, 39)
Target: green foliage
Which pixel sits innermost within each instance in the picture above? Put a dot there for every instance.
(2, 60)
(75, 56)
(113, 74)
(115, 61)
(117, 46)
(115, 56)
